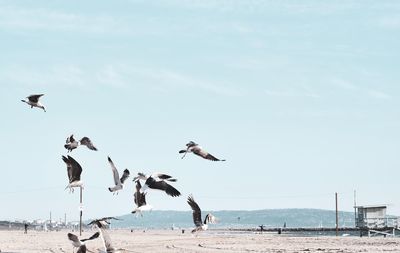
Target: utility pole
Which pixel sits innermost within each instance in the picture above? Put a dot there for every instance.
(337, 215)
(355, 210)
(80, 213)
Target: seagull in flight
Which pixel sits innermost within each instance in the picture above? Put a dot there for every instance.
(33, 101)
(157, 181)
(193, 147)
(80, 244)
(200, 225)
(74, 170)
(101, 225)
(140, 200)
(117, 181)
(72, 144)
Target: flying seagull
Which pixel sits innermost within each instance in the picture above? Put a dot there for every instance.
(72, 144)
(117, 181)
(102, 224)
(33, 101)
(157, 181)
(80, 244)
(200, 225)
(74, 173)
(140, 200)
(193, 147)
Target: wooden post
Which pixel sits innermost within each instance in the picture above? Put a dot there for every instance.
(337, 215)
(80, 213)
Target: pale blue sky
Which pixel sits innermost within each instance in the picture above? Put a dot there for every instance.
(301, 98)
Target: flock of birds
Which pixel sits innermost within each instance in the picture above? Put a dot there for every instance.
(155, 181)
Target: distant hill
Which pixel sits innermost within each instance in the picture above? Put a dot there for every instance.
(239, 219)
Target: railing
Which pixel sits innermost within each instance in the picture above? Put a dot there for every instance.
(379, 222)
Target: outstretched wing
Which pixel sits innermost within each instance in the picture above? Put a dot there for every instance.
(34, 98)
(196, 211)
(163, 177)
(205, 155)
(73, 238)
(74, 169)
(139, 197)
(88, 143)
(114, 171)
(163, 186)
(124, 176)
(94, 236)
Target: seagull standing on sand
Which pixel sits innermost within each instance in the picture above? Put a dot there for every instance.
(157, 181)
(72, 144)
(140, 200)
(200, 225)
(80, 244)
(101, 225)
(117, 181)
(33, 101)
(193, 147)
(74, 170)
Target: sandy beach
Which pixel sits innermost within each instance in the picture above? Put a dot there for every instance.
(174, 241)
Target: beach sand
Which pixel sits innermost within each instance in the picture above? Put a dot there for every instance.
(154, 241)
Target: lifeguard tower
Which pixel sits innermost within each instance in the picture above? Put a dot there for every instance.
(374, 220)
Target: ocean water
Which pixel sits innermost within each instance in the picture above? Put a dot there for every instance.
(237, 219)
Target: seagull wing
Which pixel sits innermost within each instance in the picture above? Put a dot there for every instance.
(94, 236)
(196, 211)
(82, 249)
(161, 176)
(139, 197)
(124, 176)
(74, 169)
(106, 240)
(73, 238)
(88, 143)
(202, 153)
(34, 98)
(163, 186)
(115, 172)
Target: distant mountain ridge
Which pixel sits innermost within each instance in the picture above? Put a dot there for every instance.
(239, 219)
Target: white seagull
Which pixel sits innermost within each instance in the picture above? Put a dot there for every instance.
(102, 224)
(193, 147)
(74, 173)
(157, 181)
(140, 200)
(200, 225)
(80, 244)
(33, 101)
(119, 182)
(72, 144)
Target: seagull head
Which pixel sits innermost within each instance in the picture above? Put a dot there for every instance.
(139, 176)
(191, 144)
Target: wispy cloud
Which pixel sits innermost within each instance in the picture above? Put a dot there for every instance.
(359, 90)
(115, 75)
(378, 94)
(292, 92)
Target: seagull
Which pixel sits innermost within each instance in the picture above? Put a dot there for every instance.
(72, 144)
(117, 181)
(33, 101)
(200, 225)
(80, 244)
(193, 147)
(157, 181)
(101, 224)
(74, 173)
(140, 200)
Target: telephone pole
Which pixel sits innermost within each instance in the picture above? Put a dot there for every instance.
(337, 215)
